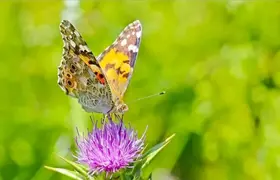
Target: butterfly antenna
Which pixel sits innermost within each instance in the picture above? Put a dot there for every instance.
(150, 96)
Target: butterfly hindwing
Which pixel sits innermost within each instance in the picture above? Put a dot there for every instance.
(80, 74)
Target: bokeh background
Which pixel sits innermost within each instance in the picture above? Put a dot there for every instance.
(217, 61)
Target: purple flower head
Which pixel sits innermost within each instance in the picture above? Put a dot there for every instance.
(109, 148)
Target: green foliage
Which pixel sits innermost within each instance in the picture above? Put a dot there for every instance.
(217, 61)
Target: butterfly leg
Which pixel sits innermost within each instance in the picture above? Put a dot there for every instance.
(91, 118)
(119, 116)
(108, 116)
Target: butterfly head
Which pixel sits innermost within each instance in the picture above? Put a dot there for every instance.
(122, 108)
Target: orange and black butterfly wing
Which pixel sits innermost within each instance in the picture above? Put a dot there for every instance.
(118, 60)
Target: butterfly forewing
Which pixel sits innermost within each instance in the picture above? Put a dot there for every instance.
(118, 60)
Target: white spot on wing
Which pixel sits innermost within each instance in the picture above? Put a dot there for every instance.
(138, 34)
(133, 48)
(84, 48)
(72, 43)
(76, 33)
(123, 43)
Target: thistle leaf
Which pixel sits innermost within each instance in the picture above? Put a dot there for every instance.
(66, 172)
(149, 156)
(81, 169)
(151, 153)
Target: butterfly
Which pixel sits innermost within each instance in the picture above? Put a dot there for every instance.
(99, 83)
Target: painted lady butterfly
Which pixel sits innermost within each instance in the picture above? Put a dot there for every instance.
(98, 83)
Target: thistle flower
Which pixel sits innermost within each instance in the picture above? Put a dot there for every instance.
(113, 150)
(109, 148)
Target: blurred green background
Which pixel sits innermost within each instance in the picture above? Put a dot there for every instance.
(218, 62)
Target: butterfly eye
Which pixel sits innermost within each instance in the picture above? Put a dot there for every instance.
(122, 108)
